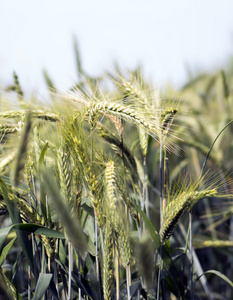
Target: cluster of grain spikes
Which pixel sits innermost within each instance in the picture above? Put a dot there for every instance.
(88, 176)
(140, 96)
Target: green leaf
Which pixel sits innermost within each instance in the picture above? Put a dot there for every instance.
(13, 292)
(219, 274)
(33, 228)
(42, 285)
(8, 181)
(88, 209)
(42, 154)
(153, 233)
(5, 250)
(15, 217)
(3, 235)
(71, 226)
(28, 229)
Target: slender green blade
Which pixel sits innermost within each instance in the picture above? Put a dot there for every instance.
(42, 285)
(12, 290)
(5, 251)
(153, 233)
(30, 228)
(43, 152)
(9, 182)
(15, 218)
(3, 235)
(71, 226)
(219, 274)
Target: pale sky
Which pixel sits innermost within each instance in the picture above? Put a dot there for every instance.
(163, 36)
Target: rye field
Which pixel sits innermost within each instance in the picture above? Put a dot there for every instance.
(117, 189)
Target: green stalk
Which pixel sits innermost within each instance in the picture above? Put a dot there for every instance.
(117, 265)
(29, 283)
(70, 257)
(97, 259)
(145, 191)
(161, 174)
(191, 256)
(128, 281)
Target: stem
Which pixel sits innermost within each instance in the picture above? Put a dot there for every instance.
(55, 275)
(117, 273)
(79, 275)
(145, 192)
(70, 254)
(161, 173)
(97, 259)
(191, 256)
(128, 281)
(29, 283)
(161, 183)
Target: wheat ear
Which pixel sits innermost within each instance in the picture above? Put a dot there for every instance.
(178, 207)
(8, 128)
(64, 173)
(12, 114)
(121, 111)
(90, 181)
(122, 239)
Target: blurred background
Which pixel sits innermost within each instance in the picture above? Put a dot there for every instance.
(170, 39)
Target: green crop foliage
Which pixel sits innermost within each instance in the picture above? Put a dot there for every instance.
(118, 191)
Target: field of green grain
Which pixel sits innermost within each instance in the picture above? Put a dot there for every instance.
(117, 189)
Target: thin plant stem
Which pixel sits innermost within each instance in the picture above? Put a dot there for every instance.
(55, 275)
(97, 259)
(29, 283)
(145, 194)
(211, 147)
(161, 173)
(70, 254)
(191, 256)
(159, 275)
(128, 281)
(79, 275)
(117, 273)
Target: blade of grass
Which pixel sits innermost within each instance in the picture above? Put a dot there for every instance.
(5, 250)
(42, 285)
(219, 274)
(15, 218)
(11, 288)
(72, 227)
(30, 228)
